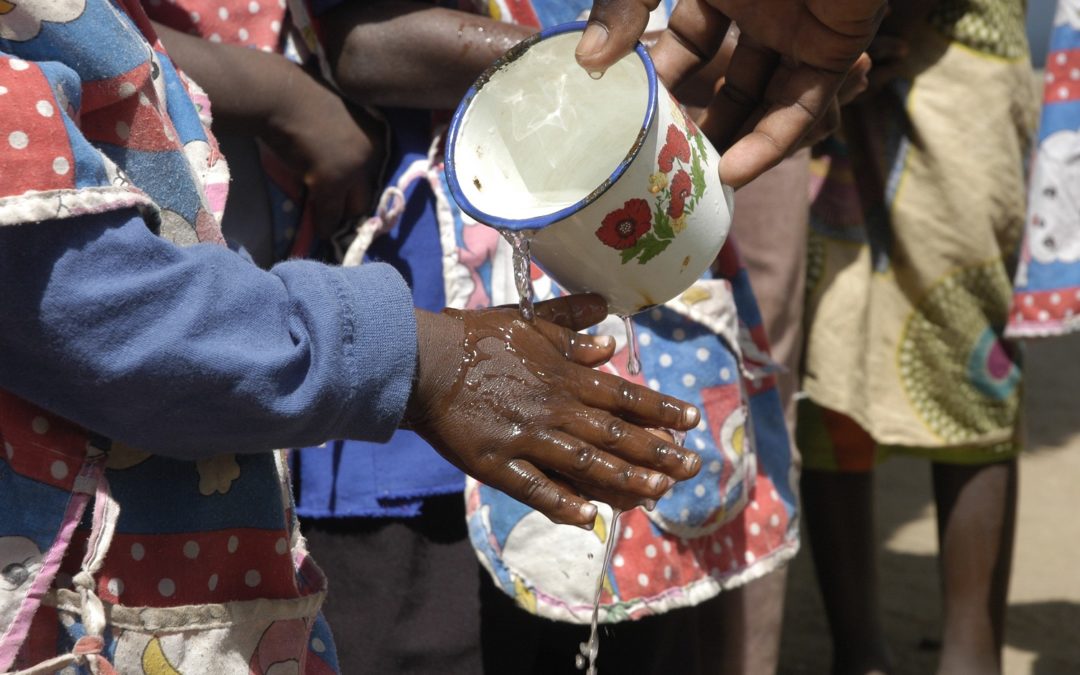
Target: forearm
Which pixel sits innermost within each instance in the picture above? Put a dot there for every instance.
(411, 54)
(189, 352)
(246, 86)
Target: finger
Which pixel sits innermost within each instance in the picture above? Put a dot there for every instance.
(328, 208)
(651, 449)
(521, 480)
(576, 312)
(794, 106)
(634, 402)
(856, 81)
(585, 350)
(613, 31)
(596, 473)
(887, 48)
(882, 75)
(694, 35)
(358, 198)
(749, 72)
(825, 127)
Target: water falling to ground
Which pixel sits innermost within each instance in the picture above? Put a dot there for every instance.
(586, 660)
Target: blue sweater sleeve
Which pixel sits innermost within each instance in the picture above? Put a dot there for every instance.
(194, 351)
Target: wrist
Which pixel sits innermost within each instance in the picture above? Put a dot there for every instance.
(438, 340)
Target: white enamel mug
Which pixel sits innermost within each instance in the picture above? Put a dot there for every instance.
(616, 187)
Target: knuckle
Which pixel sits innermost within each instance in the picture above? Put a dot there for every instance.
(584, 458)
(629, 394)
(532, 488)
(615, 430)
(738, 96)
(662, 454)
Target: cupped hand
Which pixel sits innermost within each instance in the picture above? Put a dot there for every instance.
(338, 149)
(788, 66)
(518, 405)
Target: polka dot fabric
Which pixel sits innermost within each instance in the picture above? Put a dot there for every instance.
(251, 23)
(1046, 301)
(34, 149)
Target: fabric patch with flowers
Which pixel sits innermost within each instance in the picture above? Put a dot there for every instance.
(642, 232)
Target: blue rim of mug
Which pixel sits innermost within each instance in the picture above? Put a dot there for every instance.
(540, 222)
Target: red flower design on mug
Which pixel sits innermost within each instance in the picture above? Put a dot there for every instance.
(621, 228)
(681, 188)
(674, 146)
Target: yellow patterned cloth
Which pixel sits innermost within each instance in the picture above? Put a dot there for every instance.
(917, 213)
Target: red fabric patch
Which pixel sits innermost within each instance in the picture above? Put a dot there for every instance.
(34, 147)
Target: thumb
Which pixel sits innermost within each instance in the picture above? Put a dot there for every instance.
(614, 28)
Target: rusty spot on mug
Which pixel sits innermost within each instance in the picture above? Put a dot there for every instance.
(476, 182)
(685, 262)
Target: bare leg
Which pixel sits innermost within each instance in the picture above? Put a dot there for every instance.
(839, 512)
(976, 524)
(741, 629)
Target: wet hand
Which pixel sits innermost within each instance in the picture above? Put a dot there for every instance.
(790, 61)
(519, 406)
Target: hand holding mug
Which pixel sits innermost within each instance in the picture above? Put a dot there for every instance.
(791, 60)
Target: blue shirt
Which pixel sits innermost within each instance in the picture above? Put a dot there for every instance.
(192, 351)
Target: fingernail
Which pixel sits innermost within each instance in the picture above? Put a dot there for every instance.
(605, 341)
(668, 484)
(691, 416)
(691, 461)
(649, 504)
(596, 74)
(656, 480)
(588, 510)
(592, 41)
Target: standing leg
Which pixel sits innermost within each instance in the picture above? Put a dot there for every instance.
(976, 523)
(839, 512)
(838, 505)
(741, 628)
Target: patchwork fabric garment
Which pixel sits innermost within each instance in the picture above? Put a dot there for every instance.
(735, 522)
(914, 223)
(1047, 297)
(114, 560)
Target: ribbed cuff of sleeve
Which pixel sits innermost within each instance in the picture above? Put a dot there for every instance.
(379, 327)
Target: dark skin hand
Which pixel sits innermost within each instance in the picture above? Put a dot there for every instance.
(338, 150)
(692, 95)
(517, 405)
(889, 50)
(790, 62)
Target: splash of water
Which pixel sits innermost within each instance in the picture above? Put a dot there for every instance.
(633, 363)
(586, 660)
(519, 241)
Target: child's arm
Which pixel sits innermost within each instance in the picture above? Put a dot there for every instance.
(193, 351)
(411, 54)
(337, 150)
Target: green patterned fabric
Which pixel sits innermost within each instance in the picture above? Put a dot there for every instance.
(991, 26)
